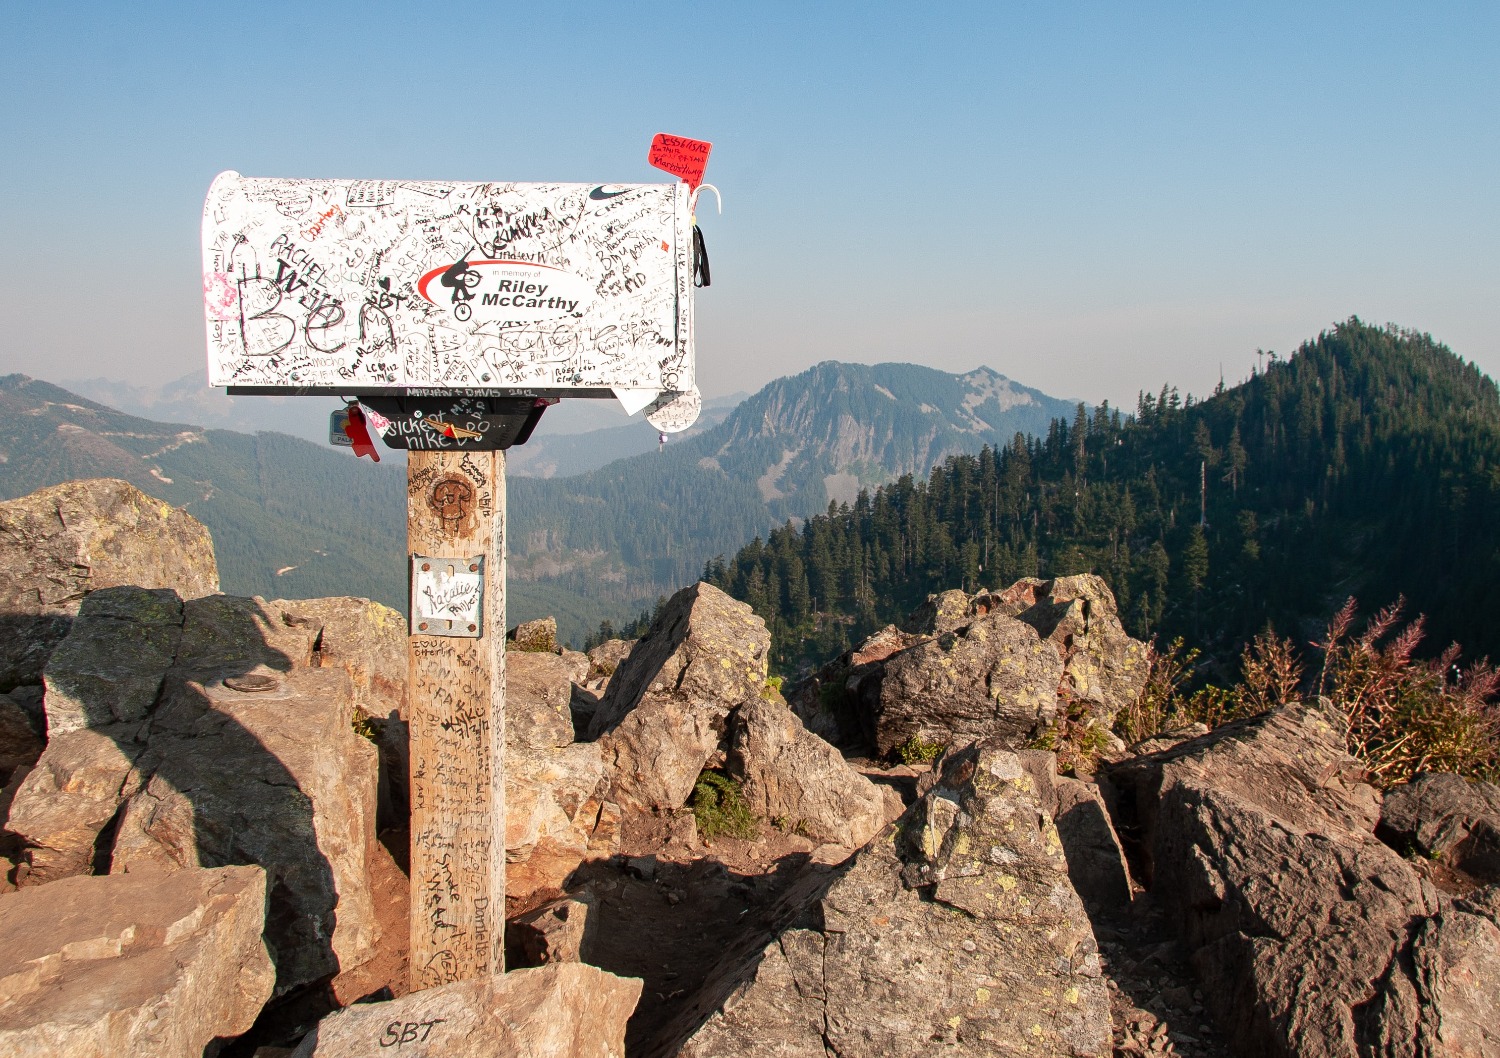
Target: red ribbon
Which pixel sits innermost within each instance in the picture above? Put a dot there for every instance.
(359, 433)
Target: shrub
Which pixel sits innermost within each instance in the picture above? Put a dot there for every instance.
(720, 809)
(788, 825)
(1077, 739)
(917, 750)
(1161, 694)
(366, 726)
(1270, 674)
(1401, 714)
(832, 694)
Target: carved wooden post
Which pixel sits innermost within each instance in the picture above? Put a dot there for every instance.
(456, 512)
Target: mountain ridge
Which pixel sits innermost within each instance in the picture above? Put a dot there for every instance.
(788, 451)
(574, 442)
(291, 518)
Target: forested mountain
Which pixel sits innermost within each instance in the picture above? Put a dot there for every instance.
(288, 518)
(296, 519)
(584, 434)
(190, 399)
(1368, 463)
(608, 541)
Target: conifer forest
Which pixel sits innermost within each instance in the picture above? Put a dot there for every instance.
(1365, 464)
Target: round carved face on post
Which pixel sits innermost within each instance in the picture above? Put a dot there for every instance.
(453, 499)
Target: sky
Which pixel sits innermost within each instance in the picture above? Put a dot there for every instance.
(1093, 199)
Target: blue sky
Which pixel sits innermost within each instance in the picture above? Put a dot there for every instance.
(1090, 198)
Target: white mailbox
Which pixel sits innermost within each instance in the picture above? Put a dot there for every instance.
(433, 288)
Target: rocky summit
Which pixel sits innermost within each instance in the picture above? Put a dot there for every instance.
(1312, 936)
(133, 964)
(60, 543)
(956, 929)
(205, 813)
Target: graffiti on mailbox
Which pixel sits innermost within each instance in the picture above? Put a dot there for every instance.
(368, 285)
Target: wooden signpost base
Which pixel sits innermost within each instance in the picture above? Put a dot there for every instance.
(456, 708)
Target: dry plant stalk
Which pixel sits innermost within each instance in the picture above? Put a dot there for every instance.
(1402, 714)
(1161, 695)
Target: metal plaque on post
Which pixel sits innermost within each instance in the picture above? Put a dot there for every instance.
(447, 594)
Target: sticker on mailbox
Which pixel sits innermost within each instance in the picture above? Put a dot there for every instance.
(505, 291)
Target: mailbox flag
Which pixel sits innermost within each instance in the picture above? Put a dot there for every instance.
(681, 157)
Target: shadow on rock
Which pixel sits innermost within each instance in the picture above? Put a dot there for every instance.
(206, 734)
(671, 924)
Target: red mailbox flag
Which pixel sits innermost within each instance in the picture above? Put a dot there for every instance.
(681, 157)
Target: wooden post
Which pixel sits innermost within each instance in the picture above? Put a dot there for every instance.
(456, 509)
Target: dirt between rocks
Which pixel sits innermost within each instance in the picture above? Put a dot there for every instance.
(1154, 1002)
(667, 911)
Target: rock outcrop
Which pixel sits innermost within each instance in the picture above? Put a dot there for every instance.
(538, 692)
(539, 636)
(605, 658)
(996, 677)
(1312, 937)
(561, 930)
(994, 664)
(97, 967)
(367, 640)
(20, 741)
(828, 702)
(102, 681)
(562, 1010)
(1449, 818)
(63, 805)
(1096, 859)
(663, 716)
(1103, 668)
(957, 929)
(1097, 864)
(60, 543)
(220, 680)
(602, 661)
(203, 761)
(557, 814)
(693, 694)
(787, 773)
(109, 669)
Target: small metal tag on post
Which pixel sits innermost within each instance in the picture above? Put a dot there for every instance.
(338, 433)
(456, 709)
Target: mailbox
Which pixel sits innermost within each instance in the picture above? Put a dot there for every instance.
(414, 290)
